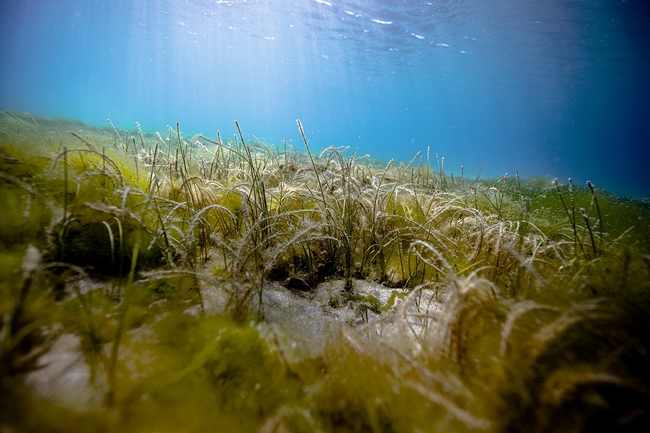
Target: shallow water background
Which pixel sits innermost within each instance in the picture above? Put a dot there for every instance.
(546, 88)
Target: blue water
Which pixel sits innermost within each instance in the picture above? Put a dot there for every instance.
(557, 88)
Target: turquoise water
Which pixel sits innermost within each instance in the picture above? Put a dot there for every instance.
(546, 88)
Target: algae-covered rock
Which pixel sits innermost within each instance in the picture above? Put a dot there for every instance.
(106, 247)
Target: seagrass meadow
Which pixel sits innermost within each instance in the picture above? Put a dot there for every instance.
(160, 282)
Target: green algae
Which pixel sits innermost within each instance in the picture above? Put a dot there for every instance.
(151, 258)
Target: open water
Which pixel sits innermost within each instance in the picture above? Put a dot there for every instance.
(550, 88)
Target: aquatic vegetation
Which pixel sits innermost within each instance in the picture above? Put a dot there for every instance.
(183, 283)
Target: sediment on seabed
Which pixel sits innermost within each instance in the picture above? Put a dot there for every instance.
(162, 282)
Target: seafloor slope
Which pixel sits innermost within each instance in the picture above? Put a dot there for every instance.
(156, 282)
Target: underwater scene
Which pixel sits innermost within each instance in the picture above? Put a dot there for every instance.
(324, 216)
